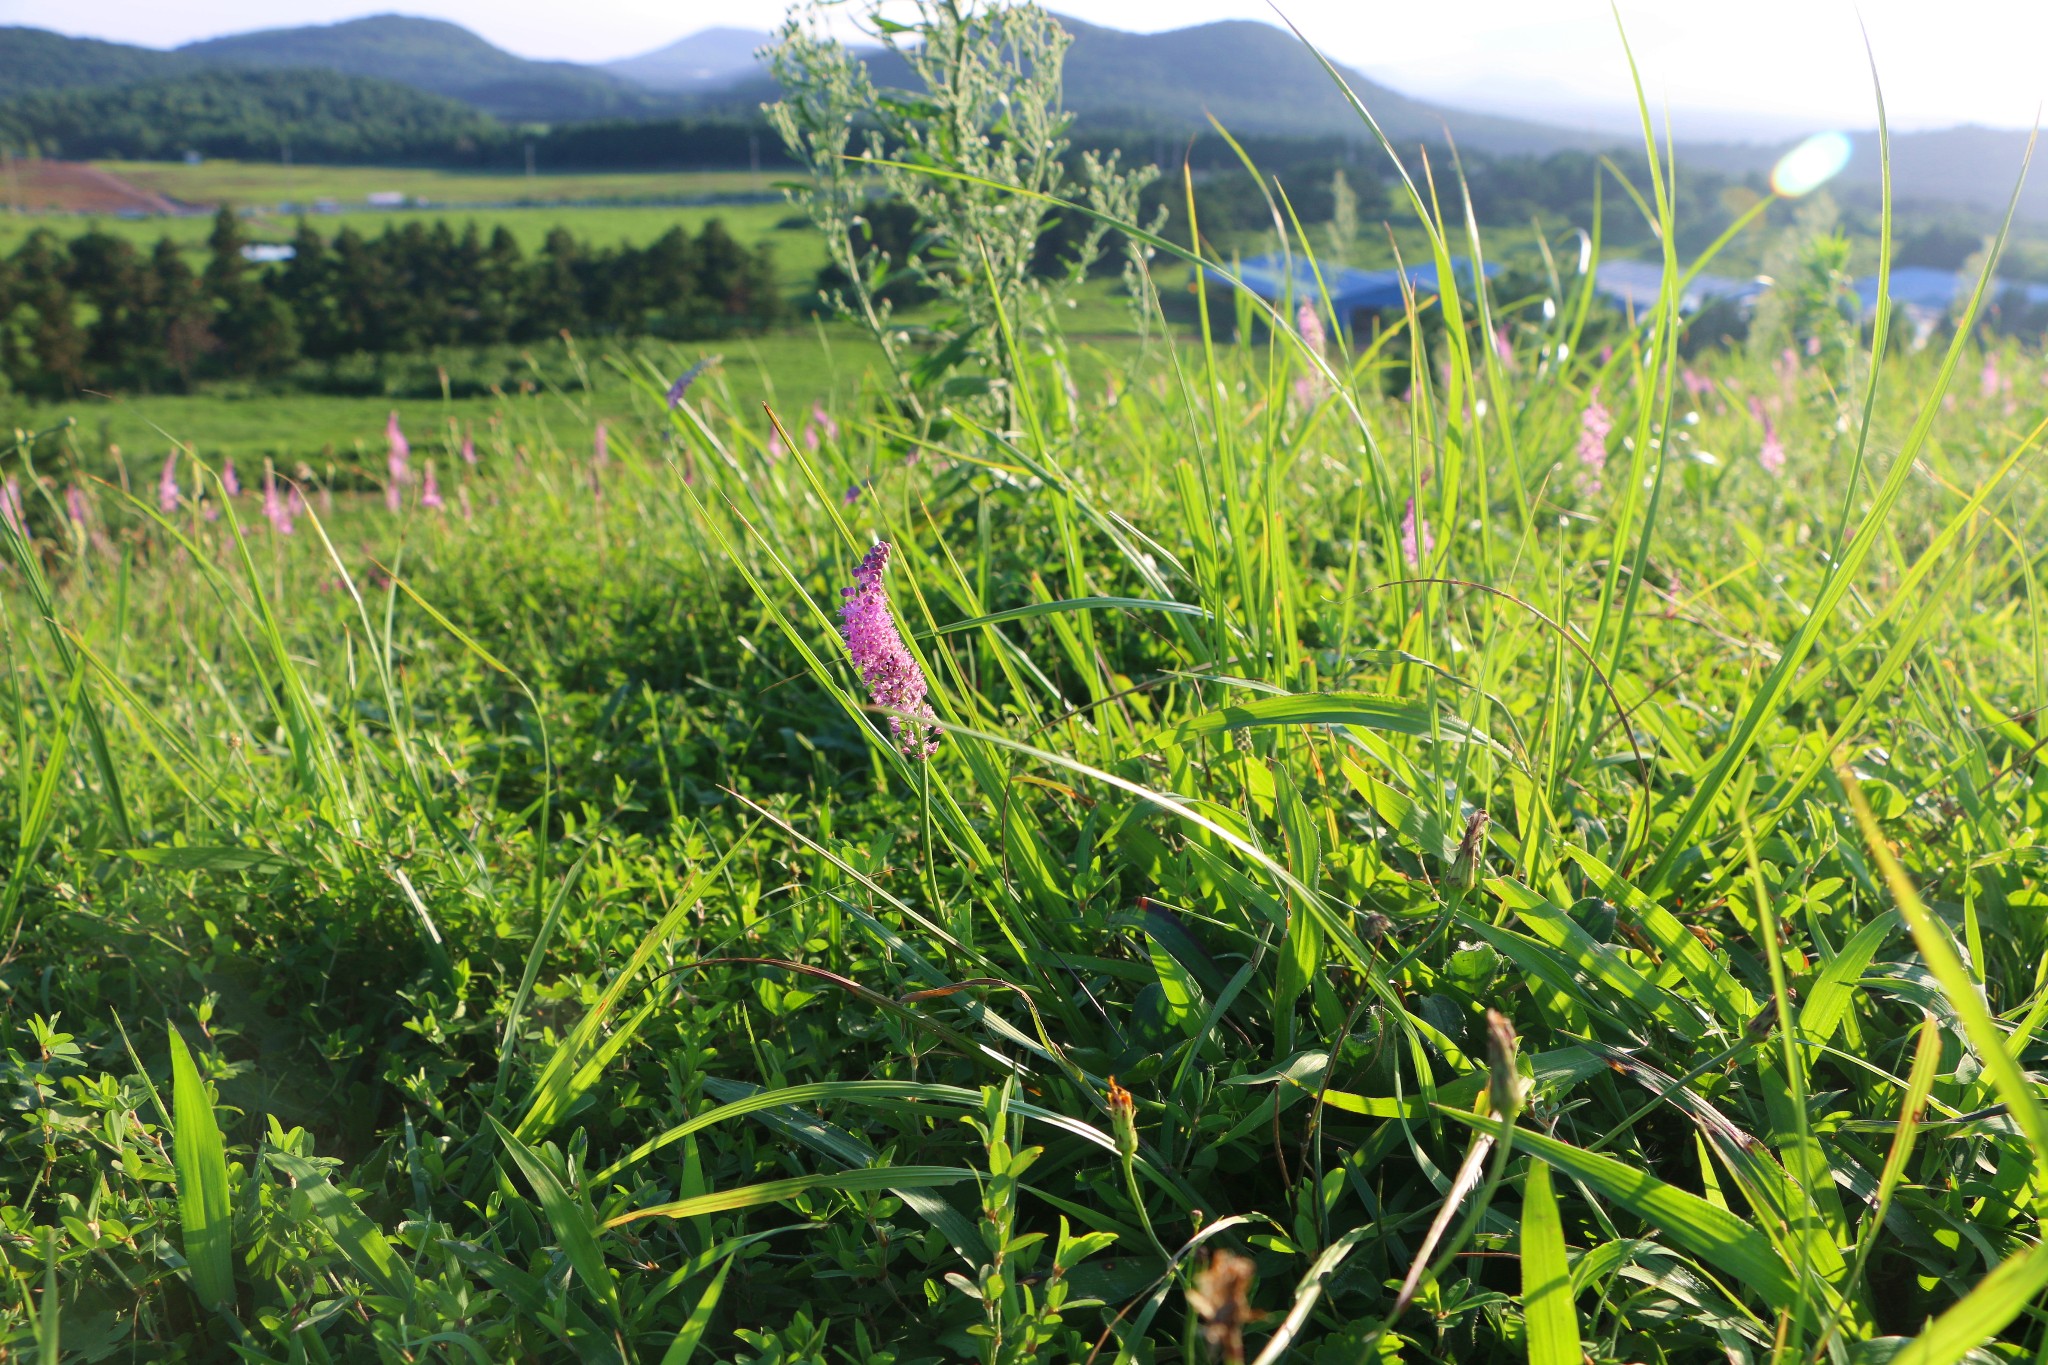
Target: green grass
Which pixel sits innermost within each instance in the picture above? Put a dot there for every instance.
(798, 255)
(257, 184)
(1350, 803)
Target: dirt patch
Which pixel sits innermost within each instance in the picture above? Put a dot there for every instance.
(74, 187)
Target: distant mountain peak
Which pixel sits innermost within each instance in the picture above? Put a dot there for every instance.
(704, 60)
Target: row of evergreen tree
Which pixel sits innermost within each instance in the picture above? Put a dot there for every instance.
(98, 313)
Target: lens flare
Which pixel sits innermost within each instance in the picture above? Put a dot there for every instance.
(1811, 164)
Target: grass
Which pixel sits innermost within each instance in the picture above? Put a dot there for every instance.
(798, 254)
(265, 184)
(1387, 886)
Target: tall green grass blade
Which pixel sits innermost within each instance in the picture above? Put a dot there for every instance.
(571, 1218)
(774, 1191)
(204, 1212)
(1549, 1315)
(1728, 1243)
(360, 1240)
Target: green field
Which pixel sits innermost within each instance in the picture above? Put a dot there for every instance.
(798, 254)
(263, 183)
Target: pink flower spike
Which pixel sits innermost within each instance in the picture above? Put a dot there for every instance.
(1416, 539)
(275, 509)
(1772, 456)
(811, 437)
(10, 506)
(1595, 423)
(893, 679)
(1503, 347)
(824, 420)
(1310, 324)
(776, 450)
(167, 494)
(231, 481)
(430, 490)
(468, 449)
(1988, 382)
(401, 449)
(600, 447)
(75, 506)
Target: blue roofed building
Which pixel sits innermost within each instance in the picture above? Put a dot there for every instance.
(1292, 280)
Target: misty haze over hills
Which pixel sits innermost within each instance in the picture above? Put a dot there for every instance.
(1255, 78)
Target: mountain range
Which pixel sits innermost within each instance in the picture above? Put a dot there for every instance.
(1254, 78)
(1166, 82)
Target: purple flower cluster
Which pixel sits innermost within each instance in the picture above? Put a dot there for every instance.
(894, 681)
(167, 493)
(10, 506)
(398, 461)
(687, 378)
(1417, 540)
(1594, 425)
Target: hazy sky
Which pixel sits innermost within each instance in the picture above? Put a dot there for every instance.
(1779, 63)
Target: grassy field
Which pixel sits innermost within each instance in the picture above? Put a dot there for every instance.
(1516, 843)
(798, 254)
(264, 183)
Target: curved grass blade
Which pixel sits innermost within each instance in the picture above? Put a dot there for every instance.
(774, 1191)
(360, 1240)
(201, 1162)
(1711, 1233)
(570, 1217)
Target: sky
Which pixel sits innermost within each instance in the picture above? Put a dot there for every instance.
(1722, 67)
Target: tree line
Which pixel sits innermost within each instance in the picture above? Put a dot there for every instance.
(97, 312)
(328, 118)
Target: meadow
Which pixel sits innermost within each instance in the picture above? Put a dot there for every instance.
(1511, 838)
(264, 183)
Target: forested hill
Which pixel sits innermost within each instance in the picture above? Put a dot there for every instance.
(249, 115)
(442, 59)
(426, 55)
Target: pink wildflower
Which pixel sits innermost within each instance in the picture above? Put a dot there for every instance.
(10, 506)
(398, 461)
(776, 450)
(1309, 324)
(1595, 424)
(430, 488)
(1813, 346)
(401, 449)
(1305, 390)
(1772, 456)
(167, 494)
(274, 505)
(1988, 383)
(811, 437)
(1503, 347)
(468, 449)
(1416, 539)
(230, 481)
(894, 681)
(75, 506)
(1697, 385)
(600, 447)
(824, 421)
